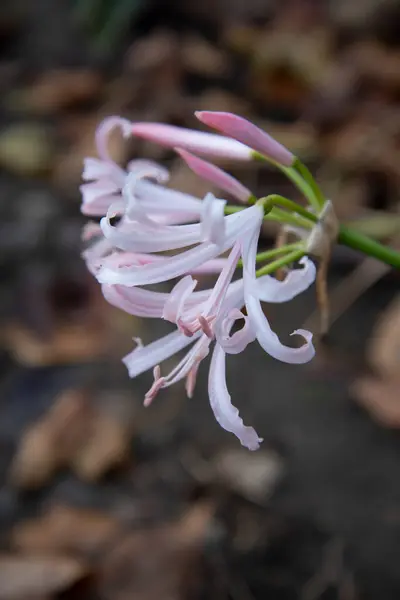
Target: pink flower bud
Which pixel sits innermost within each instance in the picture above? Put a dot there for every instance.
(209, 144)
(247, 133)
(215, 175)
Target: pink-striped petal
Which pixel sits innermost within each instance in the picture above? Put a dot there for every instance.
(247, 133)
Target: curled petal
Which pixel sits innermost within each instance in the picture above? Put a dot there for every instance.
(225, 413)
(265, 336)
(103, 131)
(208, 144)
(143, 358)
(175, 303)
(140, 165)
(95, 168)
(213, 219)
(236, 343)
(97, 196)
(215, 175)
(242, 130)
(269, 289)
(135, 209)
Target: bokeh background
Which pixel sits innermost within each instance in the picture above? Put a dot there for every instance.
(103, 500)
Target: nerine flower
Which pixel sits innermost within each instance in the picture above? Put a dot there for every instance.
(154, 219)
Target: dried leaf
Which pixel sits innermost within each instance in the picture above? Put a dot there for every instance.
(33, 576)
(202, 58)
(254, 475)
(106, 446)
(381, 397)
(156, 563)
(73, 433)
(59, 89)
(46, 445)
(384, 344)
(65, 529)
(68, 343)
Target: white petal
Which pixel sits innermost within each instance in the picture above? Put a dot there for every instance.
(179, 295)
(143, 358)
(104, 130)
(225, 413)
(269, 289)
(133, 237)
(95, 168)
(159, 198)
(265, 336)
(139, 165)
(236, 343)
(220, 289)
(185, 262)
(135, 301)
(213, 219)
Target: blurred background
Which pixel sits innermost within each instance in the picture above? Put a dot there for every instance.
(103, 500)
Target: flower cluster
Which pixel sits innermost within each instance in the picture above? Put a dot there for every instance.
(149, 233)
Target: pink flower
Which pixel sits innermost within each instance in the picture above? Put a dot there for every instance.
(207, 317)
(153, 219)
(247, 133)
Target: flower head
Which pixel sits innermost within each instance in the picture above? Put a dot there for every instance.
(153, 219)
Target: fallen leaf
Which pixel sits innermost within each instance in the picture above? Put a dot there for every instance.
(159, 562)
(253, 475)
(153, 52)
(34, 576)
(202, 58)
(58, 89)
(384, 344)
(68, 343)
(72, 434)
(106, 445)
(65, 529)
(47, 445)
(381, 398)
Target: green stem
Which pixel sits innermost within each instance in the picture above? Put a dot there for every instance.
(353, 239)
(261, 256)
(276, 214)
(306, 186)
(277, 251)
(309, 179)
(270, 201)
(280, 262)
(302, 185)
